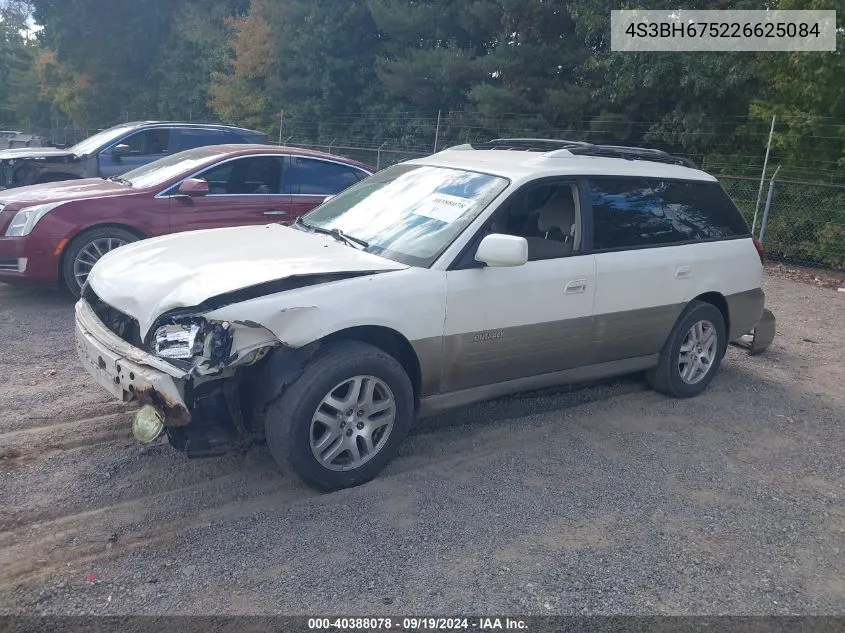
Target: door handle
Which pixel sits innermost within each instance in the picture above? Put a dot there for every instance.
(275, 212)
(683, 272)
(575, 287)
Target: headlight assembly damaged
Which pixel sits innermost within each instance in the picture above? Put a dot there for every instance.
(193, 344)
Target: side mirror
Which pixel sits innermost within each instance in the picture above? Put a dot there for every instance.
(194, 187)
(502, 250)
(121, 150)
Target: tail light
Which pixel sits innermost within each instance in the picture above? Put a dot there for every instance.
(760, 250)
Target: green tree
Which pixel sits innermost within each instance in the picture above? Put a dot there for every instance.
(312, 60)
(17, 54)
(692, 103)
(805, 92)
(515, 64)
(109, 47)
(193, 51)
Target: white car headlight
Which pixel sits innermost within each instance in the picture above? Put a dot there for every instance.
(26, 219)
(180, 340)
(192, 338)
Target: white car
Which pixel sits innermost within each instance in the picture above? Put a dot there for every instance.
(473, 273)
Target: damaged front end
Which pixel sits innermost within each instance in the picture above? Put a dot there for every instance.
(185, 372)
(19, 171)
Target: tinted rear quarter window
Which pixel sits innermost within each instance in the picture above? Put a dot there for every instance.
(636, 212)
(318, 177)
(189, 139)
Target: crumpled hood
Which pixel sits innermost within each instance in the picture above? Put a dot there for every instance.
(148, 278)
(34, 152)
(63, 190)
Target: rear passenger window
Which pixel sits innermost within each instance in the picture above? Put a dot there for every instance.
(148, 142)
(631, 213)
(318, 177)
(254, 175)
(189, 139)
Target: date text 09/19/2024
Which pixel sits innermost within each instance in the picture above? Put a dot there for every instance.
(417, 624)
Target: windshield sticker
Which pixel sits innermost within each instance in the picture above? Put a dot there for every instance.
(444, 207)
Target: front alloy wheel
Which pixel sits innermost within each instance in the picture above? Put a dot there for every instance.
(90, 254)
(86, 249)
(342, 420)
(352, 423)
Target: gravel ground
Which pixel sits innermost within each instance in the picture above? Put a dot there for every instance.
(606, 499)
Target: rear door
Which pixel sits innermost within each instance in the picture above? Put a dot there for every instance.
(242, 191)
(644, 230)
(309, 181)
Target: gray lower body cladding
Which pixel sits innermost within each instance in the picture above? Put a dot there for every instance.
(461, 369)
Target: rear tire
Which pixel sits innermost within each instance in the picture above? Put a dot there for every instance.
(86, 249)
(333, 447)
(692, 354)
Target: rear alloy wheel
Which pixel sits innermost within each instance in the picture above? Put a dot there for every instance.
(698, 352)
(86, 250)
(692, 353)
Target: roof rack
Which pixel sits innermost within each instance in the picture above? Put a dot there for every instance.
(582, 148)
(528, 144)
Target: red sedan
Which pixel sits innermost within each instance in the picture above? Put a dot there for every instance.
(54, 233)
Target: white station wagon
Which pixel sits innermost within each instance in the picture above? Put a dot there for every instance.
(480, 271)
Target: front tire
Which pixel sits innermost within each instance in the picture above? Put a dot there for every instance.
(86, 249)
(342, 421)
(693, 352)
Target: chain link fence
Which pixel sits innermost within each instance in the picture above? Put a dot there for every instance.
(803, 223)
(378, 158)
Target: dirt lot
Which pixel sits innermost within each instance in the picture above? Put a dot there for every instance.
(606, 499)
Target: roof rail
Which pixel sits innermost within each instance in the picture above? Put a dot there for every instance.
(633, 153)
(582, 148)
(528, 144)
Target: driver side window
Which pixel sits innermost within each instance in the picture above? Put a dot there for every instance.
(256, 175)
(148, 143)
(547, 215)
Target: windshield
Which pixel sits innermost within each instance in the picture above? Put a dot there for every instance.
(169, 167)
(100, 140)
(409, 213)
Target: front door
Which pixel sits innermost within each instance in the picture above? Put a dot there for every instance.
(145, 147)
(509, 323)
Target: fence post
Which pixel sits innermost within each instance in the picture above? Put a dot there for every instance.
(765, 219)
(378, 155)
(763, 176)
(330, 145)
(437, 132)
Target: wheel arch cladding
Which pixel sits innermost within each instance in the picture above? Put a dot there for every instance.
(390, 342)
(718, 301)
